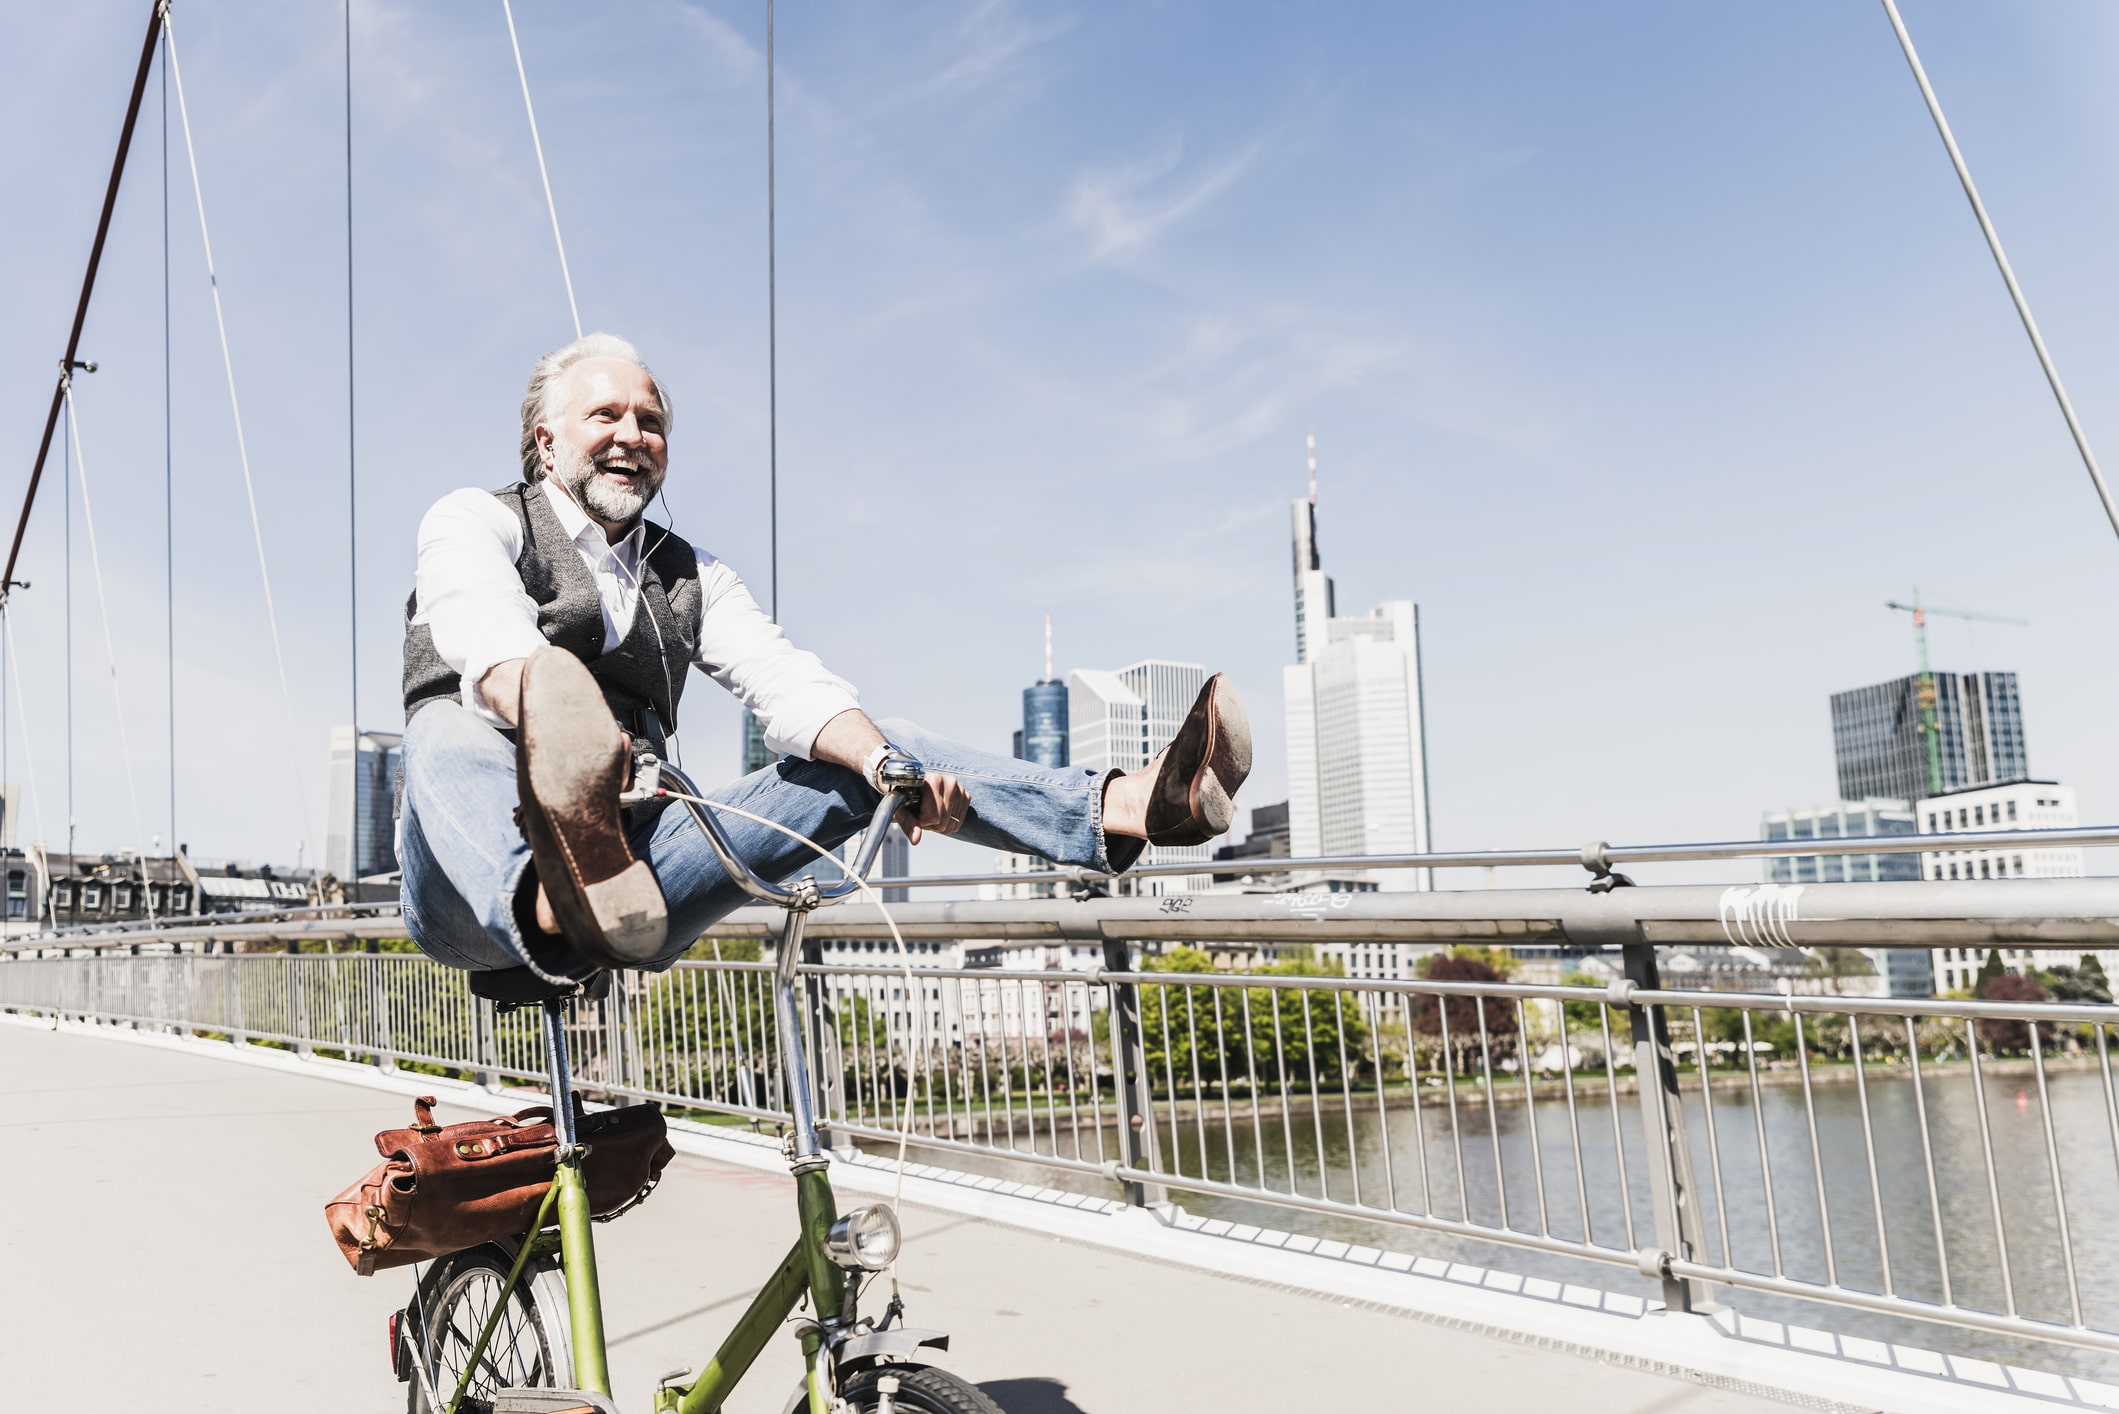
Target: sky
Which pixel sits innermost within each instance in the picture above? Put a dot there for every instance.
(1649, 347)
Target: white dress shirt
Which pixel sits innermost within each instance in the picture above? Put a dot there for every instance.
(470, 596)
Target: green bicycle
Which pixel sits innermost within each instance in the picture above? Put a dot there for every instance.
(517, 1327)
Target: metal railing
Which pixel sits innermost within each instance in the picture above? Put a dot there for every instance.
(1949, 1161)
(1598, 857)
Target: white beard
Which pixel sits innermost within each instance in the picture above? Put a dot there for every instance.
(584, 479)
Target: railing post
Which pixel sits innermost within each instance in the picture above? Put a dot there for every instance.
(482, 1024)
(1129, 1063)
(379, 1009)
(304, 1043)
(1678, 1230)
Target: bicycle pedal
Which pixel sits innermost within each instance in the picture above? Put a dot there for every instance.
(552, 1401)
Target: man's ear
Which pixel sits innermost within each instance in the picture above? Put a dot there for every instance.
(543, 434)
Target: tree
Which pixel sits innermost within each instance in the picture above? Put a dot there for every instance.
(1187, 1035)
(2009, 1034)
(1463, 1013)
(2086, 983)
(2091, 967)
(1988, 971)
(1501, 960)
(1589, 1015)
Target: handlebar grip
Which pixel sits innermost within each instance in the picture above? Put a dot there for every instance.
(901, 775)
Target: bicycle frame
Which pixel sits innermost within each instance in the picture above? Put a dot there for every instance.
(808, 1268)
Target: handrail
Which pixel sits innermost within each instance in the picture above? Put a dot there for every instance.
(1589, 856)
(1917, 913)
(1596, 857)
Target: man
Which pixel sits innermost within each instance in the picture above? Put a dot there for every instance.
(550, 621)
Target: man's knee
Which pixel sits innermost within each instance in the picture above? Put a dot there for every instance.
(442, 734)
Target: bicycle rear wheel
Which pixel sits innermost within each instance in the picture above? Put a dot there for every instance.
(530, 1348)
(925, 1389)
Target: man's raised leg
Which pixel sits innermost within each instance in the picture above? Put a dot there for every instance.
(1015, 805)
(462, 854)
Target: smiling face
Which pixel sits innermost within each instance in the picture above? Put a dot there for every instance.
(604, 440)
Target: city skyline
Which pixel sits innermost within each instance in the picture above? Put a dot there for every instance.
(1591, 344)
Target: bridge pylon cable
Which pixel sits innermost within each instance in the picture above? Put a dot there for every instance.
(235, 407)
(29, 750)
(551, 208)
(2001, 262)
(88, 281)
(110, 644)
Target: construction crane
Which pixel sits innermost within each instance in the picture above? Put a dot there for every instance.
(1930, 731)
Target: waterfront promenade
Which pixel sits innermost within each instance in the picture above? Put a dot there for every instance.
(166, 1236)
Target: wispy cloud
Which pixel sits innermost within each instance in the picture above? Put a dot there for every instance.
(1123, 210)
(992, 47)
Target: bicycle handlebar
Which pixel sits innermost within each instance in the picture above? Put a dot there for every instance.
(902, 778)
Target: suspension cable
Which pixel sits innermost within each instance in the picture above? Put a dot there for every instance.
(88, 284)
(110, 645)
(66, 489)
(29, 750)
(2001, 261)
(257, 530)
(772, 327)
(169, 487)
(543, 175)
(353, 537)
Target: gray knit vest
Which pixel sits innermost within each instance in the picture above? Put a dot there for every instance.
(646, 669)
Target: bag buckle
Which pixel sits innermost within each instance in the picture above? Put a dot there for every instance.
(375, 1218)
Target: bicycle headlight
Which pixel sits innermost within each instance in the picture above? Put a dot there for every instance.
(864, 1239)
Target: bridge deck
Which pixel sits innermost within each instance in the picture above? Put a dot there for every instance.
(165, 1235)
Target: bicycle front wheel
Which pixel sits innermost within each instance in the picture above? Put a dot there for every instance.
(923, 1388)
(530, 1348)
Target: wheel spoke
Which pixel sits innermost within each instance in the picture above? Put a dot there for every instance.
(517, 1356)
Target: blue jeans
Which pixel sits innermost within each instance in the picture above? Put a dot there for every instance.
(463, 856)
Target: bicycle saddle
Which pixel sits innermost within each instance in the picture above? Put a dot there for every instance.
(513, 987)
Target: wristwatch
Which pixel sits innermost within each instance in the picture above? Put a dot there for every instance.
(872, 767)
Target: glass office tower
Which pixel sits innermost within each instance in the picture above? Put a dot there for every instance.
(1044, 735)
(1877, 740)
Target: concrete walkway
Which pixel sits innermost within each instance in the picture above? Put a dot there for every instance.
(165, 1248)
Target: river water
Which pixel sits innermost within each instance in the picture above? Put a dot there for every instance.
(1323, 1152)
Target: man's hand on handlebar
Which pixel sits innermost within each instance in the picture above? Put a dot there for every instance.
(848, 740)
(943, 806)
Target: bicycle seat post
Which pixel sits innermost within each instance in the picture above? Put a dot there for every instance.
(558, 1064)
(787, 991)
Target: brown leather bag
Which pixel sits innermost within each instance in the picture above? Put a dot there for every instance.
(442, 1189)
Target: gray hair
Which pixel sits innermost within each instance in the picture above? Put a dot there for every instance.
(540, 403)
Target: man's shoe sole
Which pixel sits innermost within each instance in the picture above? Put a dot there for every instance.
(1209, 760)
(570, 767)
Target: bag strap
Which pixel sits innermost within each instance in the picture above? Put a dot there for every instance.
(423, 1115)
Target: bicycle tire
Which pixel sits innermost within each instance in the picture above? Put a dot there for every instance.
(531, 1348)
(922, 1389)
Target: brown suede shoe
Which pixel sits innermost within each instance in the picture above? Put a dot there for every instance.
(1197, 774)
(569, 766)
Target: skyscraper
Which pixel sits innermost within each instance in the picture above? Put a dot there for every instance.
(1313, 588)
(1878, 740)
(360, 840)
(1043, 737)
(756, 755)
(1356, 723)
(1119, 720)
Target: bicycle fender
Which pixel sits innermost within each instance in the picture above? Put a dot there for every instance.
(897, 1344)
